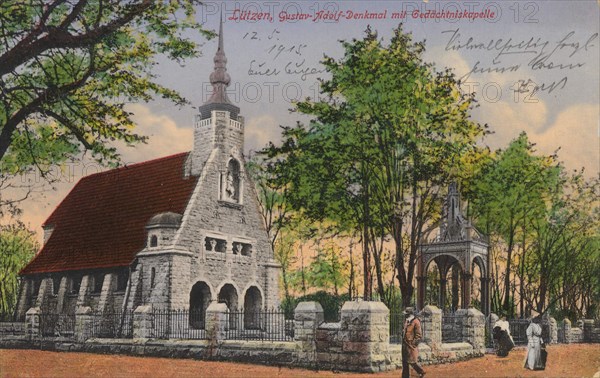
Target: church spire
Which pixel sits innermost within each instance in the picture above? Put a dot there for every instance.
(219, 78)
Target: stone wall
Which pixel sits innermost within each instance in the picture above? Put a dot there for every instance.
(358, 342)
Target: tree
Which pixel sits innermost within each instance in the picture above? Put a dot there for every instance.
(388, 134)
(17, 247)
(68, 67)
(509, 192)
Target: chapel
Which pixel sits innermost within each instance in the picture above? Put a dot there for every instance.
(175, 233)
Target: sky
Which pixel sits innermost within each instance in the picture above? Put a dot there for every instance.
(534, 66)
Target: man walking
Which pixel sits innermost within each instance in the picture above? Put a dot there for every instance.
(410, 340)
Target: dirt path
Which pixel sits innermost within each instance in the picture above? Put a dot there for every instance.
(581, 360)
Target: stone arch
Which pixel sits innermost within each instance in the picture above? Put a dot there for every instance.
(200, 298)
(432, 283)
(253, 304)
(482, 284)
(228, 294)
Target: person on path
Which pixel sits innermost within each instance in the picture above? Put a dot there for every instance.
(411, 336)
(535, 343)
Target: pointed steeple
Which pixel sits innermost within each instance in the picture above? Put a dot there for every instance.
(220, 80)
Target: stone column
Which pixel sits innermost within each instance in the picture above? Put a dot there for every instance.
(83, 290)
(83, 323)
(32, 320)
(455, 286)
(442, 296)
(484, 295)
(142, 322)
(43, 292)
(307, 317)
(566, 331)
(431, 321)
(108, 287)
(588, 327)
(216, 321)
(62, 294)
(553, 326)
(368, 343)
(467, 279)
(421, 286)
(23, 303)
(474, 329)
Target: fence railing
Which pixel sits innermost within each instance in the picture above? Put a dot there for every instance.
(57, 325)
(451, 333)
(396, 327)
(112, 325)
(264, 325)
(179, 324)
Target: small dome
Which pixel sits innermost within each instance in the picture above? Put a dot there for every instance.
(167, 219)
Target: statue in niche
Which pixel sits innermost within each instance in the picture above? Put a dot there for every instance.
(237, 248)
(213, 244)
(230, 186)
(232, 181)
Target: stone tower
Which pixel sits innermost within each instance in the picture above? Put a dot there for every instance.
(218, 249)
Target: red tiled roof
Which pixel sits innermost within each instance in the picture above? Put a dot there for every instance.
(101, 222)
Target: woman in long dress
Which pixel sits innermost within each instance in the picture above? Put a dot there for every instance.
(533, 361)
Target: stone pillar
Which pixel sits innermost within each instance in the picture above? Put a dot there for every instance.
(307, 318)
(455, 286)
(553, 328)
(23, 304)
(83, 290)
(421, 286)
(32, 320)
(142, 322)
(108, 287)
(431, 321)
(484, 295)
(442, 296)
(467, 279)
(369, 334)
(62, 294)
(474, 329)
(83, 323)
(566, 331)
(588, 327)
(217, 315)
(43, 292)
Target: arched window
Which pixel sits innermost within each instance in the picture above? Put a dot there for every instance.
(153, 241)
(152, 277)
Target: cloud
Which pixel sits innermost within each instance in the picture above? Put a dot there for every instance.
(575, 131)
(165, 136)
(259, 131)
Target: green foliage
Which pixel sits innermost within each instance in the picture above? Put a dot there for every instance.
(332, 304)
(17, 247)
(389, 132)
(67, 69)
(327, 270)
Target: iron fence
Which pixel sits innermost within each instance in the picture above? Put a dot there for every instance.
(396, 327)
(57, 325)
(264, 325)
(451, 331)
(518, 330)
(112, 325)
(179, 324)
